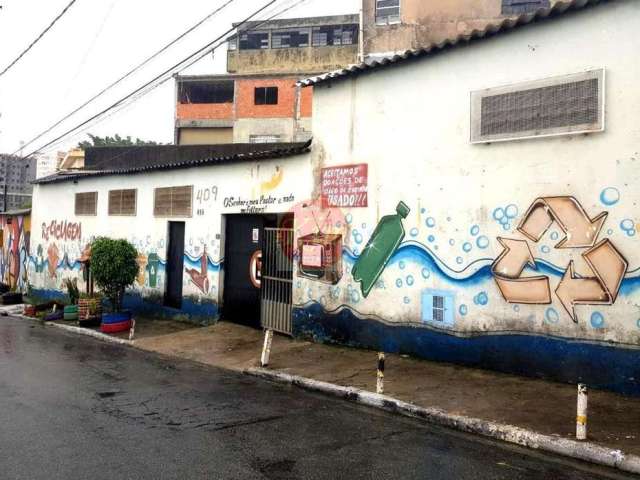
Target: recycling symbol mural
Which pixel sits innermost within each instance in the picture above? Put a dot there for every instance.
(606, 264)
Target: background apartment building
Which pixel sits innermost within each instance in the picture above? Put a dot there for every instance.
(259, 101)
(16, 175)
(397, 25)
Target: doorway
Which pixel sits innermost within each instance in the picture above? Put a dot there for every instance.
(174, 266)
(243, 247)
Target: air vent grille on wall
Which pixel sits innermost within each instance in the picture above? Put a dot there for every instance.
(556, 106)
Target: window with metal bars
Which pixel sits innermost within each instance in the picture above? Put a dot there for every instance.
(290, 38)
(86, 203)
(254, 40)
(122, 202)
(173, 201)
(438, 308)
(334, 35)
(387, 11)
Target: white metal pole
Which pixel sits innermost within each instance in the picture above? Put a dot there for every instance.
(380, 380)
(581, 417)
(132, 330)
(266, 348)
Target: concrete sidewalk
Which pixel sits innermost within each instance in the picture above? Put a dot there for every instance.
(540, 406)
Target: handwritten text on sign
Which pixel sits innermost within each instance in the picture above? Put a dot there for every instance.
(345, 186)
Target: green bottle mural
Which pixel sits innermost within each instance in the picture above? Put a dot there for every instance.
(384, 242)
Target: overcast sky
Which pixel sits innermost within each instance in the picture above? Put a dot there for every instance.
(96, 42)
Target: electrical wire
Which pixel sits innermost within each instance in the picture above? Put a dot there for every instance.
(128, 74)
(38, 38)
(159, 80)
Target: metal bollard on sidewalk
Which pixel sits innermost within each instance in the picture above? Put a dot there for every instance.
(266, 348)
(380, 381)
(581, 417)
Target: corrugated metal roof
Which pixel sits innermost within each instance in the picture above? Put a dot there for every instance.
(490, 30)
(256, 152)
(15, 213)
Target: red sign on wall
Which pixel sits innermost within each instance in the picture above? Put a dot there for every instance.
(345, 186)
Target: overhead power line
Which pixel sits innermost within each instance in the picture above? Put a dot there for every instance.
(38, 38)
(129, 73)
(167, 74)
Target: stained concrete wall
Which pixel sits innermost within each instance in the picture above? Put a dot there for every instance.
(306, 60)
(410, 124)
(423, 23)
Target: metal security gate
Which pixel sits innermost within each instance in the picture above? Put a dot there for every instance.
(277, 279)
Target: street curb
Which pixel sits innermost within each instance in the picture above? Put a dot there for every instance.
(585, 451)
(90, 333)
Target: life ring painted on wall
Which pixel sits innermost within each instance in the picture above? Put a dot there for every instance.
(255, 268)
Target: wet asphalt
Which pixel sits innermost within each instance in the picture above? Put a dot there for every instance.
(72, 407)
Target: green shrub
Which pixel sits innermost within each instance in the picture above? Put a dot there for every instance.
(114, 267)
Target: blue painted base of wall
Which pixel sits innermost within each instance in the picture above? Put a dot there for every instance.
(193, 309)
(597, 365)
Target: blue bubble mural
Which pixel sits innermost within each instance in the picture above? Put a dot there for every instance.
(597, 320)
(609, 196)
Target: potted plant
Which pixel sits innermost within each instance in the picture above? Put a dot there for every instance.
(71, 311)
(89, 309)
(114, 267)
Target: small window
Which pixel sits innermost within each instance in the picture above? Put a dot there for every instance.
(438, 307)
(173, 201)
(122, 202)
(387, 11)
(290, 38)
(86, 203)
(335, 35)
(254, 40)
(266, 95)
(517, 7)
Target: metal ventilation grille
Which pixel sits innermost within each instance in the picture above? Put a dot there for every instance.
(552, 107)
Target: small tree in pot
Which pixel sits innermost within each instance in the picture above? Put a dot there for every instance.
(114, 267)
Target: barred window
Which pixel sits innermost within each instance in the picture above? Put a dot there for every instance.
(335, 35)
(387, 11)
(122, 202)
(173, 201)
(517, 7)
(86, 203)
(266, 96)
(290, 38)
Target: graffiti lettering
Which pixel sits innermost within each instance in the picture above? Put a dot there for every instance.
(62, 230)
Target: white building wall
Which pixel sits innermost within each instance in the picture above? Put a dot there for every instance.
(217, 191)
(411, 124)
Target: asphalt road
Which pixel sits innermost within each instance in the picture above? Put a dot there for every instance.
(72, 407)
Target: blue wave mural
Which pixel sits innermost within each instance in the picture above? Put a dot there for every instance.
(479, 270)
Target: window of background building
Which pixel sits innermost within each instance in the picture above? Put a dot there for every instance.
(233, 44)
(86, 203)
(264, 138)
(172, 201)
(266, 96)
(290, 38)
(122, 202)
(207, 92)
(335, 35)
(254, 40)
(387, 11)
(516, 7)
